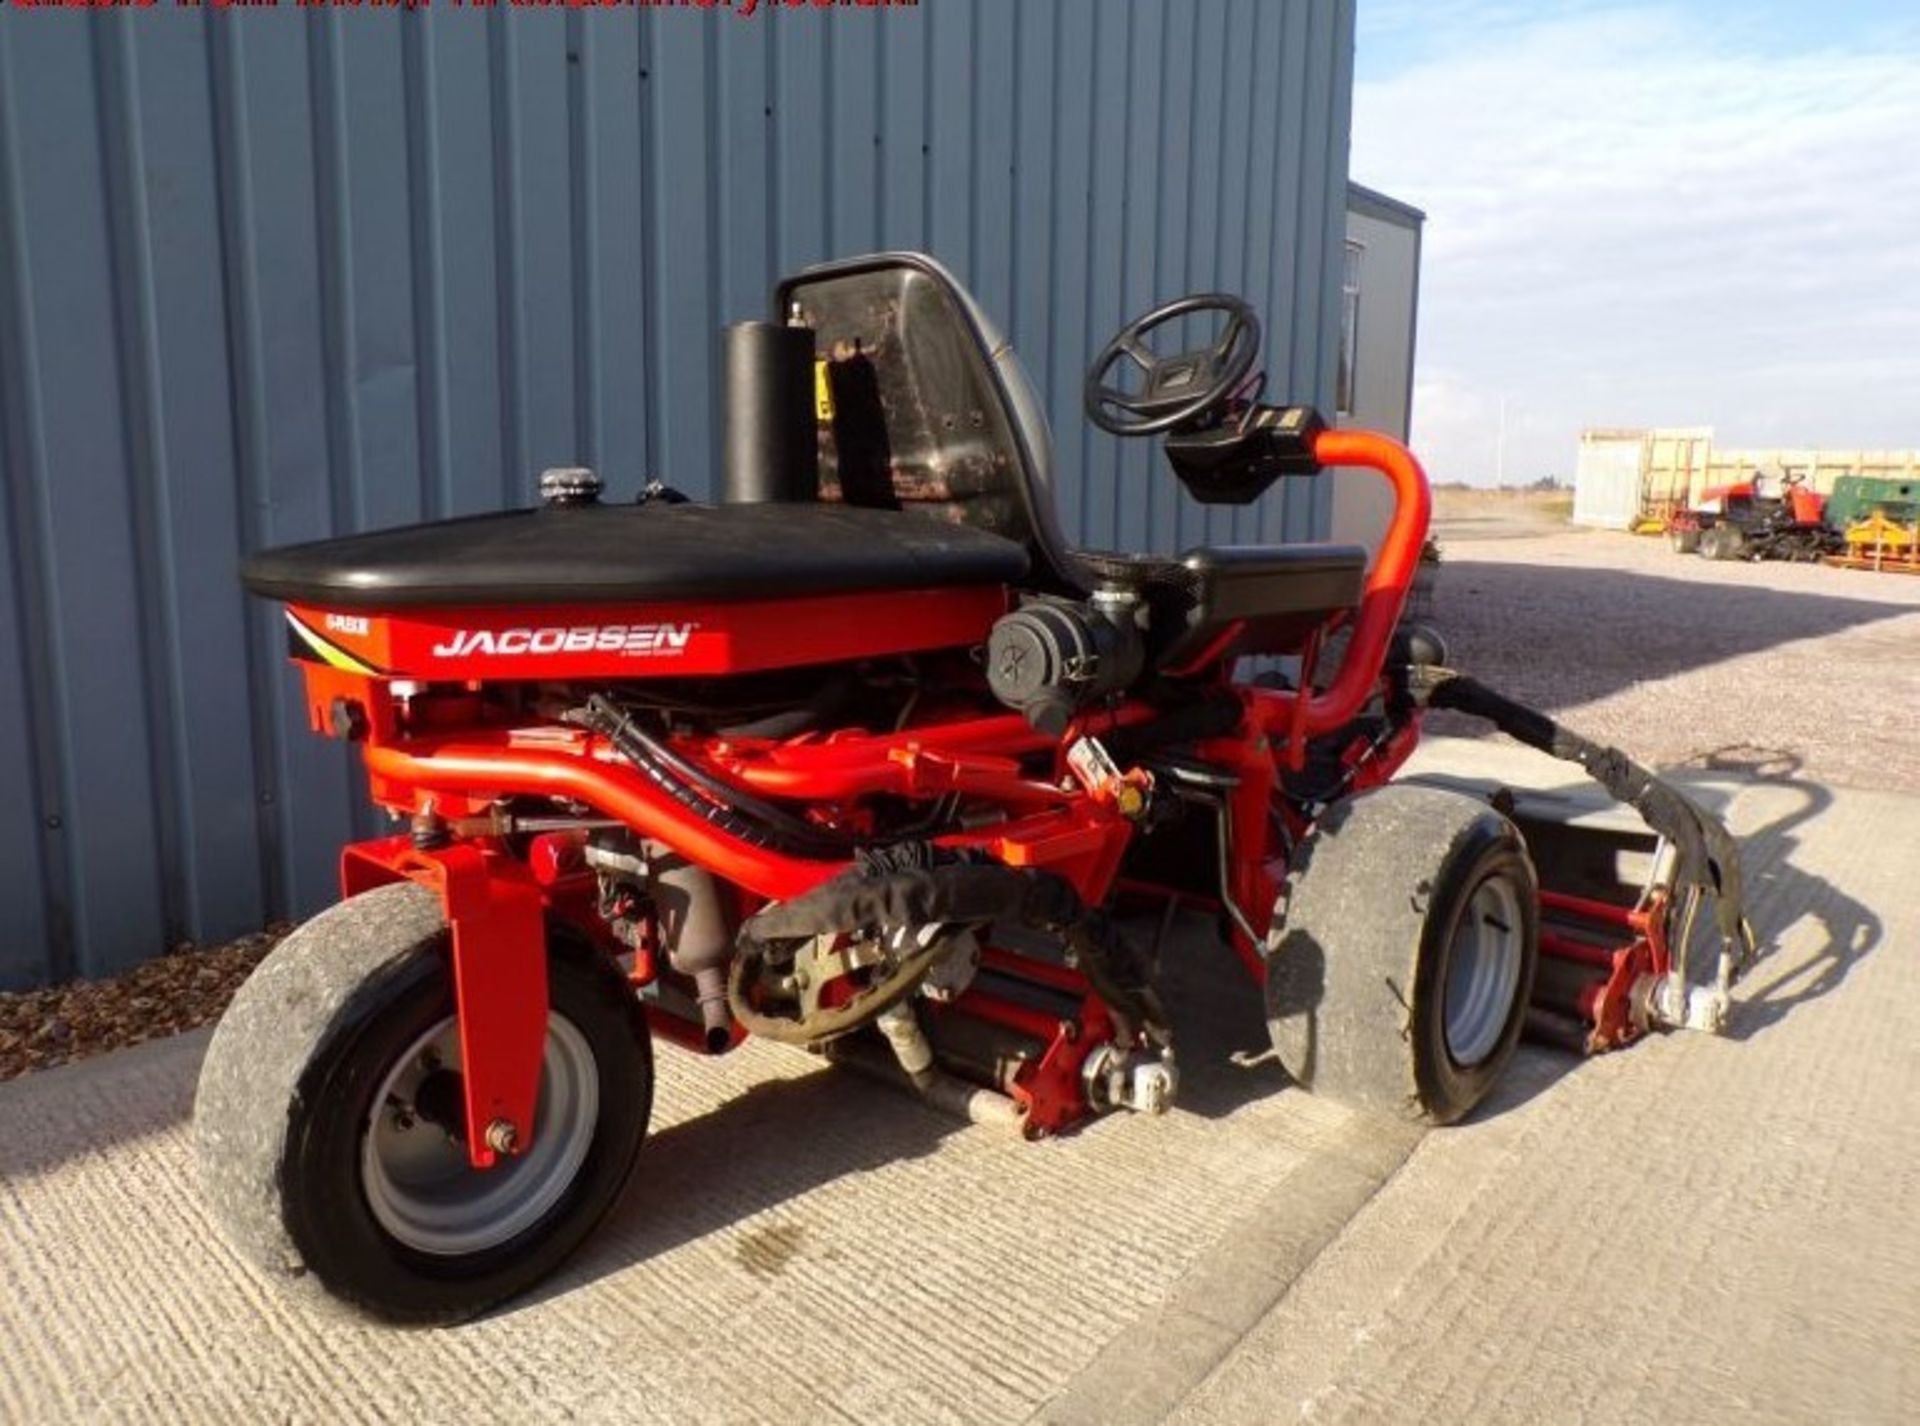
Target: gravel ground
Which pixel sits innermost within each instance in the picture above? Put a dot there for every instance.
(1802, 670)
(1809, 671)
(183, 989)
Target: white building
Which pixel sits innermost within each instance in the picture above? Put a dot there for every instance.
(1379, 306)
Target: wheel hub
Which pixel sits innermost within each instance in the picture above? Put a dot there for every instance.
(1483, 972)
(421, 1187)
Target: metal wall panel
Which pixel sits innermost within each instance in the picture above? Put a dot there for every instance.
(273, 275)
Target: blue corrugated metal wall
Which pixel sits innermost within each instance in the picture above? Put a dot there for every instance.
(268, 276)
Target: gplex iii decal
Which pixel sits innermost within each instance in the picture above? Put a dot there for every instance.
(660, 640)
(303, 643)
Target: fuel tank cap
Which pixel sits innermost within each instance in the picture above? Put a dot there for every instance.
(569, 485)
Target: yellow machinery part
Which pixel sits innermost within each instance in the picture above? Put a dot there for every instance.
(1882, 544)
(1878, 532)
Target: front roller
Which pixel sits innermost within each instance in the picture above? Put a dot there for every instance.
(1399, 977)
(327, 1122)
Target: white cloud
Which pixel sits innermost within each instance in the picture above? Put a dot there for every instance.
(1638, 217)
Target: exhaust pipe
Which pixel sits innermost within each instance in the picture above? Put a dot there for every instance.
(697, 928)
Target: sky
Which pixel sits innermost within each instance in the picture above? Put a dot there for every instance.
(1691, 213)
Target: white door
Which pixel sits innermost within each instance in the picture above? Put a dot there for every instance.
(1606, 483)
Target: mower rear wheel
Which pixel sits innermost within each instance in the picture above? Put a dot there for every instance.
(1402, 960)
(1684, 538)
(327, 1117)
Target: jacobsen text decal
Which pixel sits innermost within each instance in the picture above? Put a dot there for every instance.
(653, 640)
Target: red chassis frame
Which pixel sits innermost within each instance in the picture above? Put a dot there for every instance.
(456, 769)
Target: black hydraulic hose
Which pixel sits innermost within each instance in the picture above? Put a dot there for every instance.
(618, 730)
(736, 812)
(735, 797)
(1210, 716)
(1708, 855)
(823, 707)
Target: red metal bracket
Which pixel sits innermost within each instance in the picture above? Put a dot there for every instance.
(1606, 1002)
(497, 914)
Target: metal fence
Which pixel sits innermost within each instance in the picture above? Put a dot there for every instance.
(272, 275)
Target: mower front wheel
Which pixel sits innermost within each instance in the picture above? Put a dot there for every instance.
(1684, 538)
(1402, 960)
(327, 1118)
(1723, 542)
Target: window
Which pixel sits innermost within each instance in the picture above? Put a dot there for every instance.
(1349, 329)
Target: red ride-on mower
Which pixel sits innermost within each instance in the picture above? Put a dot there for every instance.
(862, 759)
(1756, 520)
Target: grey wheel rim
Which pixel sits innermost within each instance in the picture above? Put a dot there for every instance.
(1483, 972)
(419, 1185)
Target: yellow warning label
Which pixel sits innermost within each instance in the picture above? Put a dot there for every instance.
(822, 392)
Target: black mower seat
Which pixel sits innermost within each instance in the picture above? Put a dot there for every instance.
(636, 554)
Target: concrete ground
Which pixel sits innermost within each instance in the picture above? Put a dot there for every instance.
(1695, 1229)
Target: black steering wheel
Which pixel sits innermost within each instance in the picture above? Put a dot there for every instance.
(1176, 390)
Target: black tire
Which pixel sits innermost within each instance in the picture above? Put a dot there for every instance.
(1728, 544)
(286, 1103)
(1685, 539)
(1361, 972)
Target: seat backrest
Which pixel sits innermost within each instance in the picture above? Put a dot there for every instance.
(924, 404)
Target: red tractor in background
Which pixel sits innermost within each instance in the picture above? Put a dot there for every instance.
(1757, 519)
(861, 759)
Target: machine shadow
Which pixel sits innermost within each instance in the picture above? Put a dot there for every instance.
(1785, 897)
(769, 1145)
(1658, 626)
(782, 1138)
(1219, 1020)
(69, 1112)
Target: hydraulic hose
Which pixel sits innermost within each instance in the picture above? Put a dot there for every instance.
(733, 810)
(1709, 858)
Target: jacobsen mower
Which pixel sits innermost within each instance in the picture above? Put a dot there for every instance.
(1746, 520)
(865, 759)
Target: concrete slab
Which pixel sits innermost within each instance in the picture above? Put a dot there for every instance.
(1696, 1228)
